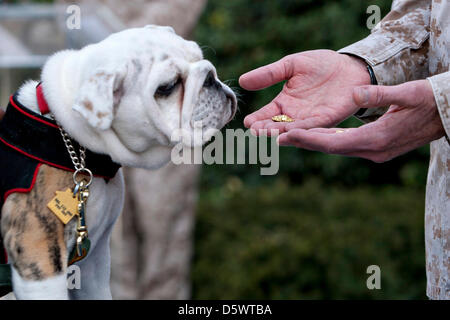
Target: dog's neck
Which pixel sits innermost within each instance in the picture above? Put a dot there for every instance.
(27, 96)
(60, 81)
(58, 93)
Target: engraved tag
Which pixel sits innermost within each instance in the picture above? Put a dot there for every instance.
(64, 205)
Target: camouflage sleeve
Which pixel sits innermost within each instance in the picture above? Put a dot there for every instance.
(397, 48)
(441, 88)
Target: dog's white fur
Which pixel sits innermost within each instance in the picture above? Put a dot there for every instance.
(104, 97)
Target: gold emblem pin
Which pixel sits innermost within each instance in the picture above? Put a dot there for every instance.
(282, 118)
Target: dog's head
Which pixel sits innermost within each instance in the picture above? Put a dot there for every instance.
(136, 87)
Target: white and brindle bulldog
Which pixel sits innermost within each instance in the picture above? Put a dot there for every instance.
(122, 97)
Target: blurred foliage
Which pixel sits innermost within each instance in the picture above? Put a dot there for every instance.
(238, 36)
(308, 242)
(313, 234)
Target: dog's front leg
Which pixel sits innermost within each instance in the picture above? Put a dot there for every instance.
(37, 251)
(38, 258)
(35, 240)
(95, 274)
(103, 209)
(50, 288)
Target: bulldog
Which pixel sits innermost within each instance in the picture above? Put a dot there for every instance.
(120, 99)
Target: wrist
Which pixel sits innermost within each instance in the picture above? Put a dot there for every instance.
(361, 69)
(366, 74)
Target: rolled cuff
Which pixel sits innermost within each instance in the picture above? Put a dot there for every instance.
(393, 61)
(441, 89)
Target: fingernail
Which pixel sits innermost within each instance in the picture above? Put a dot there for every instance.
(253, 132)
(362, 95)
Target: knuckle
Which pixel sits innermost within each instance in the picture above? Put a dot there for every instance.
(379, 146)
(288, 66)
(272, 73)
(378, 95)
(382, 142)
(331, 149)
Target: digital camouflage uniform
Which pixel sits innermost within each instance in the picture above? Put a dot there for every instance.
(413, 42)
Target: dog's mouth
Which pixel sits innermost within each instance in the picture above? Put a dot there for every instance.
(232, 103)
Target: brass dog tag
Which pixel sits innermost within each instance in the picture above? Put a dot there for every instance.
(64, 205)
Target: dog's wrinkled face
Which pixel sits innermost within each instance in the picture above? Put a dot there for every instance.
(139, 86)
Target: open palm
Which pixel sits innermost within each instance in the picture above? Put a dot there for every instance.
(318, 91)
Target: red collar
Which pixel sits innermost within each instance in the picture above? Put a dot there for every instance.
(39, 138)
(42, 103)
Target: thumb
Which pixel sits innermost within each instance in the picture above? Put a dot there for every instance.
(268, 75)
(381, 96)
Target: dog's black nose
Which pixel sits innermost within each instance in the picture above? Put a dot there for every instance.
(210, 80)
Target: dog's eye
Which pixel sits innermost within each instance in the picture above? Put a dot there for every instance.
(167, 89)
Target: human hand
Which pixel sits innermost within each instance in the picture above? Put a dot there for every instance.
(318, 91)
(2, 113)
(412, 121)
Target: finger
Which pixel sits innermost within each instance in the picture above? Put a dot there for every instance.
(285, 126)
(267, 127)
(406, 94)
(284, 140)
(275, 128)
(265, 113)
(329, 130)
(268, 75)
(259, 125)
(350, 141)
(308, 123)
(367, 148)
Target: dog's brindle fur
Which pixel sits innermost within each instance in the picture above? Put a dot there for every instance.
(35, 239)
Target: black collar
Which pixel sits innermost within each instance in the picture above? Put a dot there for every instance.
(39, 138)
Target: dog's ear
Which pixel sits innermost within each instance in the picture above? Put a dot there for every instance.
(98, 96)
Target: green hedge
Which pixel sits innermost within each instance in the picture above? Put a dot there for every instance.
(308, 242)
